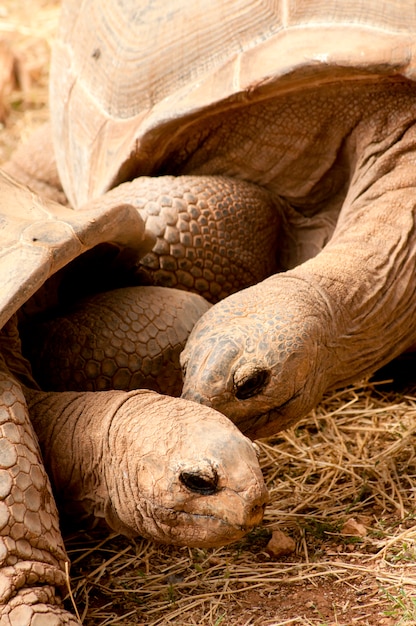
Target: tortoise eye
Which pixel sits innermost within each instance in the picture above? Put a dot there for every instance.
(250, 386)
(200, 482)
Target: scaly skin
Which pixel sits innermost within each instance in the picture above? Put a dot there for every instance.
(202, 226)
(197, 227)
(32, 554)
(265, 356)
(126, 339)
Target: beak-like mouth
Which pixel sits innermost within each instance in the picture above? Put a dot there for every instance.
(272, 421)
(258, 426)
(208, 521)
(200, 530)
(264, 425)
(255, 425)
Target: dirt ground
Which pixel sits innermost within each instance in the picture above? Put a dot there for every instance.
(342, 483)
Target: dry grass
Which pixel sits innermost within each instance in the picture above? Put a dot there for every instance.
(27, 29)
(353, 457)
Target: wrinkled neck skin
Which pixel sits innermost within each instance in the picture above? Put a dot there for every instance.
(367, 270)
(337, 316)
(95, 475)
(70, 433)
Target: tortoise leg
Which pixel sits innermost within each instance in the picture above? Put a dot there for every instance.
(128, 338)
(32, 553)
(213, 235)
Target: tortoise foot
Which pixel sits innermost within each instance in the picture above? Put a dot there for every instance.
(36, 606)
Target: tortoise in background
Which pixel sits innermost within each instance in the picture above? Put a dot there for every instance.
(313, 103)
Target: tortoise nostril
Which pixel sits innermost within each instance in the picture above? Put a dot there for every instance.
(200, 482)
(194, 396)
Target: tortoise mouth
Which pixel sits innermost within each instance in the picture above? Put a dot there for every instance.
(197, 530)
(242, 412)
(271, 421)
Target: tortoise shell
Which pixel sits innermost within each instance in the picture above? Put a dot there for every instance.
(148, 77)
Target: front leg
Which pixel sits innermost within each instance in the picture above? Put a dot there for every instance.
(264, 357)
(211, 235)
(32, 554)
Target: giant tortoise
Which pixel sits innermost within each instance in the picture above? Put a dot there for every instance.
(313, 105)
(147, 464)
(312, 102)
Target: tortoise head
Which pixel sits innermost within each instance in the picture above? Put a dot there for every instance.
(259, 357)
(181, 474)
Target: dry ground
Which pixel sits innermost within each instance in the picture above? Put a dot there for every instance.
(353, 458)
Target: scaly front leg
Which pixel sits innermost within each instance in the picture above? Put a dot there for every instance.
(32, 554)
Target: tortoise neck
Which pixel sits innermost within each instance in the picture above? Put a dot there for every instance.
(70, 427)
(367, 270)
